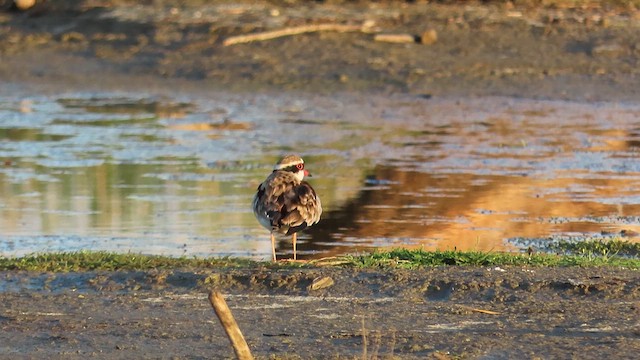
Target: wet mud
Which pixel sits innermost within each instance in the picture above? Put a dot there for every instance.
(448, 312)
(558, 52)
(159, 49)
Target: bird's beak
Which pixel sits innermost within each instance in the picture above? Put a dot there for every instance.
(306, 173)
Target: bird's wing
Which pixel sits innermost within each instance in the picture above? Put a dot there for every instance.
(269, 201)
(303, 207)
(288, 203)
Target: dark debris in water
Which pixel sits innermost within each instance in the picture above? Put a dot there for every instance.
(29, 134)
(372, 180)
(300, 121)
(129, 106)
(612, 219)
(106, 121)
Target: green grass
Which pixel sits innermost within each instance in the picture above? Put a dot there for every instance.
(617, 253)
(99, 260)
(401, 258)
(597, 247)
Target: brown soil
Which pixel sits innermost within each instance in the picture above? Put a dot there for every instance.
(588, 53)
(585, 53)
(495, 313)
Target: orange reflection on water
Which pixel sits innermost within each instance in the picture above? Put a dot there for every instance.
(413, 209)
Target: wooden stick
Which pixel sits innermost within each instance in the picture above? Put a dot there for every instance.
(268, 35)
(427, 38)
(364, 340)
(395, 38)
(479, 310)
(230, 326)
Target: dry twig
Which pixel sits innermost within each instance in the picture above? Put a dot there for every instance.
(364, 340)
(482, 311)
(230, 326)
(427, 38)
(330, 261)
(295, 30)
(395, 38)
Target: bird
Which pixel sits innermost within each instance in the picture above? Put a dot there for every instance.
(284, 203)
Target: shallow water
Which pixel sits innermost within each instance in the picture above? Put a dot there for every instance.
(159, 175)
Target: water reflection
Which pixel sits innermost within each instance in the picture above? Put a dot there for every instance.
(475, 212)
(176, 176)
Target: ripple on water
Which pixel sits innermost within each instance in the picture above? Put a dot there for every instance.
(151, 174)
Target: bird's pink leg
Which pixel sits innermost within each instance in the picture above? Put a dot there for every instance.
(295, 237)
(273, 247)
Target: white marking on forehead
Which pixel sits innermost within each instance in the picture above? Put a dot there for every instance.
(281, 166)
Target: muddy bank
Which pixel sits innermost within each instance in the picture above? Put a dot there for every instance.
(495, 313)
(583, 53)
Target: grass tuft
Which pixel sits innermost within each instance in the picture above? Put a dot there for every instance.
(410, 259)
(100, 260)
(615, 253)
(597, 247)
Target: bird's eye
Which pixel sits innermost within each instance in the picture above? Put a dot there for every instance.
(300, 166)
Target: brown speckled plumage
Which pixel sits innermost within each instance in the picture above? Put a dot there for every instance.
(286, 204)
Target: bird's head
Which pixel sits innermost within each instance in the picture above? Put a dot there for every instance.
(294, 164)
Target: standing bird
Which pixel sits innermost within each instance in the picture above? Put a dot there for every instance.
(286, 204)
